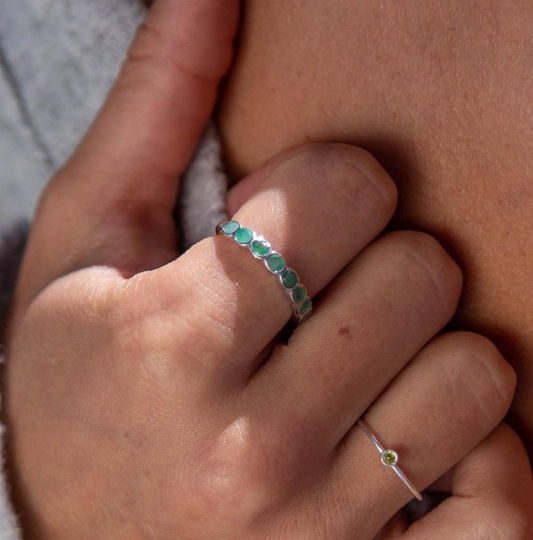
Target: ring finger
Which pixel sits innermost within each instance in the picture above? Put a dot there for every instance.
(446, 401)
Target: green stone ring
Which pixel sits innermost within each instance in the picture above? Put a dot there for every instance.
(300, 302)
(389, 458)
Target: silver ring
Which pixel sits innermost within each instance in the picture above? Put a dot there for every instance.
(389, 458)
(260, 248)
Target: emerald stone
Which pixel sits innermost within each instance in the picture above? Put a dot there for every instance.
(230, 227)
(260, 248)
(299, 294)
(305, 307)
(389, 458)
(244, 235)
(289, 279)
(275, 262)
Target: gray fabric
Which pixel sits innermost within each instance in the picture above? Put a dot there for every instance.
(23, 167)
(12, 243)
(201, 202)
(58, 59)
(9, 529)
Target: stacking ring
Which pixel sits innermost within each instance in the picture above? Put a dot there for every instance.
(300, 302)
(389, 458)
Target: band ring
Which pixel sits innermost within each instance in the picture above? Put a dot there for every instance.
(389, 458)
(260, 248)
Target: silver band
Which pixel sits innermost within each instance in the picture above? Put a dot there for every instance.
(260, 248)
(389, 458)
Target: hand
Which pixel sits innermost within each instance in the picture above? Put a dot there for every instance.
(140, 401)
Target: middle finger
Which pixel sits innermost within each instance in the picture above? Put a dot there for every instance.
(372, 320)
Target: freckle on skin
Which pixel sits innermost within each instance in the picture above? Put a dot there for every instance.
(344, 331)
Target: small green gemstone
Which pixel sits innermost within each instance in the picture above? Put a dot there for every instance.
(299, 294)
(230, 227)
(243, 236)
(260, 248)
(305, 306)
(306, 316)
(275, 262)
(389, 458)
(289, 279)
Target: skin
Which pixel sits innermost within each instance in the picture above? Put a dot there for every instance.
(440, 93)
(139, 399)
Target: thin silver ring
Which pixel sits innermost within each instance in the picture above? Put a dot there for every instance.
(260, 248)
(389, 458)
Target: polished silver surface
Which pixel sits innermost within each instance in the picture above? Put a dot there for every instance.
(408, 484)
(295, 306)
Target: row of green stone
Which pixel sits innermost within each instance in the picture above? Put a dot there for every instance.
(261, 249)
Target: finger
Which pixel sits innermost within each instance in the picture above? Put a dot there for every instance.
(443, 404)
(244, 189)
(163, 97)
(318, 208)
(491, 498)
(112, 203)
(370, 322)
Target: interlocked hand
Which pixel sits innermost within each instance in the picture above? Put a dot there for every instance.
(143, 400)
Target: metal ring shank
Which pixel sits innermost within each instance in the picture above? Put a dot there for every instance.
(259, 247)
(408, 484)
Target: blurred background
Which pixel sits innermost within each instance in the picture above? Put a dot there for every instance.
(58, 59)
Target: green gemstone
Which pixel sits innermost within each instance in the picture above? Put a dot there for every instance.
(306, 316)
(243, 236)
(299, 294)
(260, 248)
(305, 306)
(389, 458)
(275, 262)
(289, 279)
(230, 227)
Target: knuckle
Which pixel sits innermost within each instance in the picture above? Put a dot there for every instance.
(231, 475)
(436, 272)
(148, 43)
(222, 474)
(195, 316)
(485, 374)
(155, 49)
(80, 304)
(208, 313)
(144, 59)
